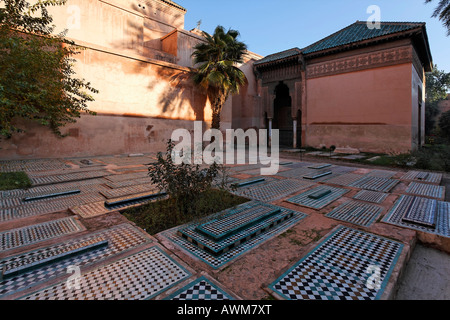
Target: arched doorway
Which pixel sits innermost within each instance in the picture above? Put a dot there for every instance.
(282, 115)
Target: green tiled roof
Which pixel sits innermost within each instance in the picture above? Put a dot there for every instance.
(360, 32)
(280, 55)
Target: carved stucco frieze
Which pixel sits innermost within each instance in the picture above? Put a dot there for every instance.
(362, 62)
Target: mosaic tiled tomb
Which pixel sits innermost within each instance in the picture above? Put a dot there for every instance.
(18, 265)
(273, 190)
(426, 190)
(242, 235)
(52, 179)
(381, 174)
(126, 161)
(305, 173)
(362, 214)
(345, 179)
(39, 232)
(120, 239)
(137, 277)
(32, 165)
(420, 176)
(428, 215)
(371, 196)
(16, 208)
(200, 289)
(347, 265)
(318, 197)
(375, 184)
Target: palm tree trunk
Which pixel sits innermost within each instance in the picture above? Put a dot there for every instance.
(217, 106)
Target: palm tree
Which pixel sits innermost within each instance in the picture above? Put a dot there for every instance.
(442, 12)
(217, 73)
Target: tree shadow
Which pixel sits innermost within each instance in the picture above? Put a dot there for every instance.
(181, 90)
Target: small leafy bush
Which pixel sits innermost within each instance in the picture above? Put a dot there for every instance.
(182, 182)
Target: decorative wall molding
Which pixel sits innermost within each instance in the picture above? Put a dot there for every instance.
(365, 61)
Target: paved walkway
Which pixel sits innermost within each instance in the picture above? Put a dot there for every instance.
(62, 227)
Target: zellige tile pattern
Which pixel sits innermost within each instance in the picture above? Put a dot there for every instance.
(39, 232)
(340, 268)
(120, 238)
(140, 276)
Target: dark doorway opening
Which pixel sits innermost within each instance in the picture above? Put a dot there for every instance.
(282, 119)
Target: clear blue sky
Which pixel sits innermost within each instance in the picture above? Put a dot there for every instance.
(270, 26)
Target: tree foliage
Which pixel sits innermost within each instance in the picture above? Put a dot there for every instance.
(444, 125)
(437, 86)
(217, 72)
(442, 12)
(36, 69)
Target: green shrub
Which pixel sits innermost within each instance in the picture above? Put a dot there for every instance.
(444, 125)
(14, 180)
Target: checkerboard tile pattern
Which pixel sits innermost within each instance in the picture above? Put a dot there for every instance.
(137, 277)
(341, 267)
(121, 238)
(305, 200)
(359, 213)
(200, 289)
(39, 232)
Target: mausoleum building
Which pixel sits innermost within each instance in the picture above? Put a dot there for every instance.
(359, 88)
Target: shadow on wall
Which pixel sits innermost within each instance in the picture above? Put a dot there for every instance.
(181, 90)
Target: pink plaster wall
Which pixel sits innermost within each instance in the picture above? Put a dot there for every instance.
(368, 110)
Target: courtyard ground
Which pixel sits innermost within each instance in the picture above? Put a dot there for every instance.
(63, 225)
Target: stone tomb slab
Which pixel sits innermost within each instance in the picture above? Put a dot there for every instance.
(308, 198)
(340, 267)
